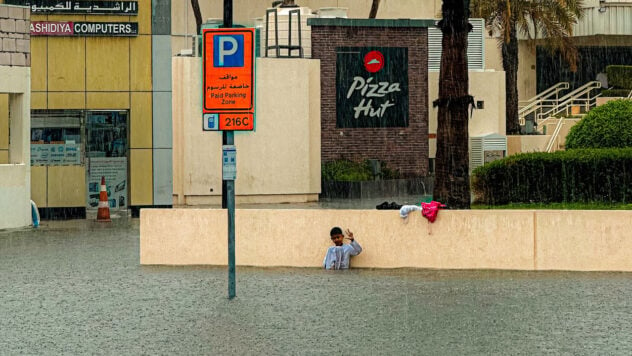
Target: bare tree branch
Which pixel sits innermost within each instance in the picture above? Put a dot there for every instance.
(195, 5)
(374, 7)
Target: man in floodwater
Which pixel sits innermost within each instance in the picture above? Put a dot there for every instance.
(338, 256)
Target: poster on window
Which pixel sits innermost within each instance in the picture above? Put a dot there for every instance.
(55, 154)
(114, 169)
(371, 87)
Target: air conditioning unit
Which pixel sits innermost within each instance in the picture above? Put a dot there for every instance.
(486, 148)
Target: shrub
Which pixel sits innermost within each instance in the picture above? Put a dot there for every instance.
(619, 76)
(614, 93)
(609, 125)
(344, 170)
(348, 171)
(581, 175)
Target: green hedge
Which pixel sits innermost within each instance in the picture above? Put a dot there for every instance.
(606, 126)
(581, 175)
(614, 93)
(619, 76)
(343, 170)
(348, 171)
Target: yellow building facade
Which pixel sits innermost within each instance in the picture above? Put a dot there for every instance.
(100, 103)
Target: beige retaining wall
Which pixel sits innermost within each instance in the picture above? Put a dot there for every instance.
(465, 239)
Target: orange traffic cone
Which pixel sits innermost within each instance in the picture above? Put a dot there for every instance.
(103, 214)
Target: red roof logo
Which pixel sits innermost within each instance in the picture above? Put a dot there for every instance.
(373, 61)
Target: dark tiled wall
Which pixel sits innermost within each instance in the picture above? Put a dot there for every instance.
(15, 36)
(403, 148)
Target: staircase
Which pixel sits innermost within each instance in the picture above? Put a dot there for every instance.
(543, 101)
(548, 106)
(581, 97)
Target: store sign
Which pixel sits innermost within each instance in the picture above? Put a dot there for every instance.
(70, 28)
(128, 8)
(371, 87)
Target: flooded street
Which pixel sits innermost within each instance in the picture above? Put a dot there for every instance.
(76, 287)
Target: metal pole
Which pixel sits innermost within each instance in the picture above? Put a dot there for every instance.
(229, 194)
(230, 190)
(228, 23)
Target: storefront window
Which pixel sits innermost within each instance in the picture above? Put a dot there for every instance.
(56, 138)
(107, 134)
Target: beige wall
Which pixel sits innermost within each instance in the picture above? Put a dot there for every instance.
(538, 143)
(584, 240)
(15, 175)
(527, 85)
(493, 58)
(603, 100)
(526, 143)
(488, 86)
(278, 162)
(458, 239)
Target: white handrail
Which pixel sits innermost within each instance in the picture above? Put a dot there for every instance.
(556, 132)
(542, 100)
(552, 90)
(571, 99)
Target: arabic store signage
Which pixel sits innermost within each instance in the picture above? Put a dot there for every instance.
(128, 8)
(70, 28)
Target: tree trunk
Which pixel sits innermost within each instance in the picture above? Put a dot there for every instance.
(510, 65)
(195, 5)
(374, 7)
(452, 181)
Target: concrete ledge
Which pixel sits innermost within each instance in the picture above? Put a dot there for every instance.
(466, 239)
(584, 240)
(15, 207)
(283, 237)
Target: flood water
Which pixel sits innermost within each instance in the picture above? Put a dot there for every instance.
(76, 287)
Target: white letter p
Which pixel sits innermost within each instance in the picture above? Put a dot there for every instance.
(226, 52)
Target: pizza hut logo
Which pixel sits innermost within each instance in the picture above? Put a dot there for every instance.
(373, 61)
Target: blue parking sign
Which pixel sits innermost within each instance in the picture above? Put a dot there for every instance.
(229, 51)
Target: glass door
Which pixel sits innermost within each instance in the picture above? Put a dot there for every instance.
(106, 156)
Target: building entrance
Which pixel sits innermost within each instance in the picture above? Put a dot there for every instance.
(106, 156)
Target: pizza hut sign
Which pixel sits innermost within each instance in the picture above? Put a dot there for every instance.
(372, 87)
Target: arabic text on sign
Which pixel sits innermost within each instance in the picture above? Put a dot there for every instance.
(129, 8)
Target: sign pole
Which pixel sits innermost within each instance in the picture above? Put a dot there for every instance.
(230, 202)
(228, 138)
(228, 104)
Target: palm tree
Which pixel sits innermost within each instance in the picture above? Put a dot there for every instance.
(550, 19)
(452, 182)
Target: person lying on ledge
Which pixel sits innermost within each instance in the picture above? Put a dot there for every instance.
(338, 256)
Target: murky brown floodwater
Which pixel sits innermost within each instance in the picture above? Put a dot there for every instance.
(76, 287)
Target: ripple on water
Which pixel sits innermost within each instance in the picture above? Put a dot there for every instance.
(77, 287)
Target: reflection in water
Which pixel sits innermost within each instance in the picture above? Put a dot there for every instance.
(76, 287)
